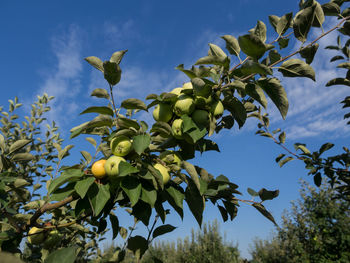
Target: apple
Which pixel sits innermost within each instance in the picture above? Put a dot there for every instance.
(200, 88)
(176, 91)
(184, 105)
(162, 112)
(34, 238)
(112, 165)
(52, 239)
(170, 157)
(200, 117)
(121, 145)
(176, 127)
(98, 169)
(217, 108)
(163, 171)
(202, 102)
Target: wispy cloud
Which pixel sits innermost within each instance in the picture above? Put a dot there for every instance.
(63, 79)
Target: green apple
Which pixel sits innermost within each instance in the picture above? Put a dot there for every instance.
(52, 239)
(112, 165)
(34, 238)
(121, 145)
(200, 117)
(176, 91)
(203, 102)
(184, 105)
(176, 127)
(162, 112)
(217, 108)
(163, 171)
(200, 88)
(170, 157)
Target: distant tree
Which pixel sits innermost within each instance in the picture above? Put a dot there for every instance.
(317, 229)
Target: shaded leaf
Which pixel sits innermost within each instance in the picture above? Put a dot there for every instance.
(338, 81)
(17, 145)
(115, 225)
(264, 212)
(66, 255)
(308, 53)
(252, 192)
(100, 93)
(100, 110)
(138, 245)
(132, 187)
(252, 46)
(284, 23)
(268, 195)
(303, 21)
(161, 230)
(284, 161)
(82, 186)
(232, 44)
(141, 142)
(256, 93)
(297, 68)
(134, 104)
(67, 176)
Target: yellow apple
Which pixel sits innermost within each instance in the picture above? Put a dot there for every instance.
(176, 127)
(200, 117)
(98, 169)
(112, 165)
(184, 105)
(217, 108)
(176, 91)
(34, 238)
(162, 112)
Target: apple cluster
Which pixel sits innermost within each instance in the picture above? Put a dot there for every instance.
(194, 99)
(48, 239)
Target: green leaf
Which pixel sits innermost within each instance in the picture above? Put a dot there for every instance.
(338, 81)
(216, 51)
(66, 255)
(223, 213)
(95, 62)
(70, 175)
(141, 143)
(264, 212)
(132, 187)
(274, 56)
(331, 9)
(115, 225)
(297, 68)
(176, 195)
(232, 44)
(318, 179)
(149, 196)
(345, 65)
(112, 72)
(256, 93)
(268, 195)
(117, 56)
(17, 145)
(319, 16)
(134, 104)
(302, 22)
(279, 157)
(236, 108)
(22, 157)
(62, 193)
(195, 201)
(282, 137)
(211, 60)
(98, 196)
(252, 192)
(284, 161)
(252, 46)
(87, 156)
(161, 230)
(100, 93)
(126, 168)
(300, 146)
(251, 67)
(19, 182)
(189, 73)
(65, 152)
(192, 172)
(283, 42)
(277, 94)
(138, 245)
(308, 53)
(284, 23)
(260, 31)
(142, 211)
(274, 21)
(100, 110)
(325, 147)
(82, 186)
(127, 123)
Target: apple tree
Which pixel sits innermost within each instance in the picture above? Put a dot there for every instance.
(61, 211)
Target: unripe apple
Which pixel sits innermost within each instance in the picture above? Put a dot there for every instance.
(121, 145)
(163, 171)
(112, 165)
(34, 238)
(217, 108)
(52, 239)
(170, 157)
(177, 128)
(200, 88)
(176, 91)
(98, 169)
(203, 102)
(200, 117)
(162, 112)
(184, 105)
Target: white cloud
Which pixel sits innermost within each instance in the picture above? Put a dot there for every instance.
(63, 80)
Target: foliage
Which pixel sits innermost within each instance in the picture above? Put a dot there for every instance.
(223, 90)
(317, 229)
(205, 245)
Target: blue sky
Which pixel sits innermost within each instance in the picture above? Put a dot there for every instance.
(42, 49)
